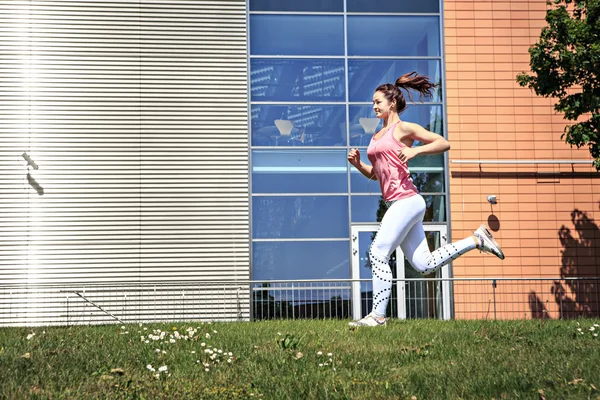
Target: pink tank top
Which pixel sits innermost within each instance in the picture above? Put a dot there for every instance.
(392, 174)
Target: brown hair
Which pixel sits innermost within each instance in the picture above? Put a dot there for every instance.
(411, 80)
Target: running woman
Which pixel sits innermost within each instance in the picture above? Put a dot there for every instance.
(402, 225)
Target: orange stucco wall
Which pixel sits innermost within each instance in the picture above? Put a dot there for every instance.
(547, 216)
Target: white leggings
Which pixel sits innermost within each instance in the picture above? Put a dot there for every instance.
(402, 225)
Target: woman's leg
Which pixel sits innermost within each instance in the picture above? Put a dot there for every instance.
(416, 250)
(395, 225)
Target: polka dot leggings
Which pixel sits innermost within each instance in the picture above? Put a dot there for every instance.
(402, 225)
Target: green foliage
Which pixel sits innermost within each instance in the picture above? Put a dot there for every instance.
(567, 59)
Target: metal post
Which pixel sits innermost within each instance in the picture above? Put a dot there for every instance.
(494, 289)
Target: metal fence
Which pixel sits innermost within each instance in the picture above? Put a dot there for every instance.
(460, 298)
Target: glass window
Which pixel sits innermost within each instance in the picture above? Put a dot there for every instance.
(299, 217)
(364, 76)
(429, 117)
(301, 260)
(297, 80)
(369, 35)
(299, 171)
(372, 208)
(387, 6)
(316, 35)
(304, 5)
(367, 208)
(311, 125)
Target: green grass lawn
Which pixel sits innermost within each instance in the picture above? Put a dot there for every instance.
(422, 359)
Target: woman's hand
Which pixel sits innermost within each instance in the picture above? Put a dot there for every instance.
(407, 153)
(354, 157)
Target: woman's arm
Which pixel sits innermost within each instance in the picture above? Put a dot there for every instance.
(433, 143)
(366, 170)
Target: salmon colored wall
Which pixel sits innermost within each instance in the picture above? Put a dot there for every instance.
(547, 217)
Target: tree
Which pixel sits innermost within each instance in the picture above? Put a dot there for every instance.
(566, 65)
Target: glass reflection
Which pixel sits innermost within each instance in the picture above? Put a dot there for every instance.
(301, 260)
(299, 171)
(299, 217)
(312, 125)
(387, 6)
(297, 80)
(311, 35)
(304, 5)
(368, 35)
(365, 75)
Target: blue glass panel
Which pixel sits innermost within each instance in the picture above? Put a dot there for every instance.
(316, 35)
(313, 125)
(297, 80)
(371, 35)
(371, 208)
(301, 260)
(366, 208)
(299, 171)
(294, 5)
(429, 117)
(299, 217)
(387, 6)
(364, 76)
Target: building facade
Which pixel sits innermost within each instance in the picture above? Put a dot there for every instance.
(179, 150)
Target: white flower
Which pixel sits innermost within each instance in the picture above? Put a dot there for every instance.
(208, 335)
(193, 352)
(157, 375)
(579, 329)
(172, 340)
(149, 366)
(229, 360)
(329, 354)
(162, 369)
(592, 328)
(214, 331)
(320, 365)
(157, 350)
(220, 352)
(202, 344)
(206, 369)
(145, 329)
(123, 327)
(147, 341)
(32, 334)
(164, 352)
(141, 324)
(319, 353)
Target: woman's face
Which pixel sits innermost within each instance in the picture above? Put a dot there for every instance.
(381, 105)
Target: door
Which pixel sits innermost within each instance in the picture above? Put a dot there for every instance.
(412, 296)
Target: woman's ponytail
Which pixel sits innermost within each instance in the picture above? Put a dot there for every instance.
(416, 82)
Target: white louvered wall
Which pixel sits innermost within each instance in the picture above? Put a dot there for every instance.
(136, 113)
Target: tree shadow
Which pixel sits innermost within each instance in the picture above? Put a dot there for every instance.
(575, 298)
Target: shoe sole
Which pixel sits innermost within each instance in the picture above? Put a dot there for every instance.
(489, 237)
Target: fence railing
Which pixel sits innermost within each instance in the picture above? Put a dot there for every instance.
(466, 298)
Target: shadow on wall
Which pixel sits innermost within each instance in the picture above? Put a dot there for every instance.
(579, 254)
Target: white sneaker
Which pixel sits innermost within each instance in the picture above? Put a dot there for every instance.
(369, 320)
(487, 244)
